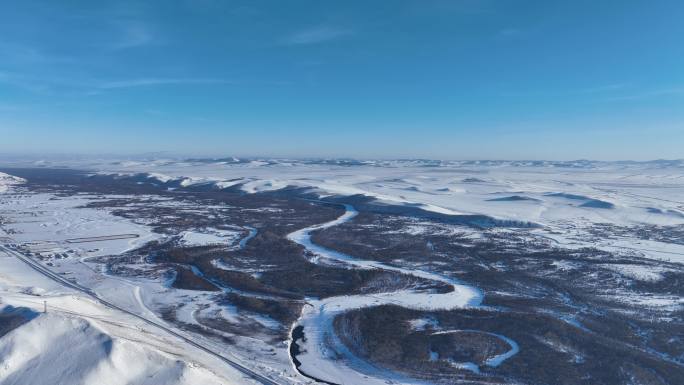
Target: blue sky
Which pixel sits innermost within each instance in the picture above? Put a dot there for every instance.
(458, 79)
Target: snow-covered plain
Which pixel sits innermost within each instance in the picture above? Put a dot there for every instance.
(541, 192)
(628, 193)
(52, 224)
(79, 341)
(103, 346)
(565, 201)
(564, 198)
(208, 237)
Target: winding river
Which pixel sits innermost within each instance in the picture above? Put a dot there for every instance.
(315, 349)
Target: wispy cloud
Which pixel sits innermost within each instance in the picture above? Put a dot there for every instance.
(147, 82)
(648, 94)
(134, 34)
(604, 88)
(55, 85)
(19, 53)
(316, 35)
(616, 92)
(510, 32)
(25, 82)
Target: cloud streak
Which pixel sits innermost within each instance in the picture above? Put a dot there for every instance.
(605, 88)
(148, 82)
(134, 34)
(649, 94)
(54, 85)
(316, 35)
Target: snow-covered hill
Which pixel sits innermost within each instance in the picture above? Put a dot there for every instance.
(79, 341)
(9, 180)
(56, 348)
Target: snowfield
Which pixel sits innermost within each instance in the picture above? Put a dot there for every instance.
(35, 353)
(78, 341)
(6, 181)
(58, 224)
(209, 237)
(148, 318)
(541, 192)
(104, 346)
(558, 196)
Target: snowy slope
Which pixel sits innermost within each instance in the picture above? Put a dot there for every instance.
(80, 341)
(9, 180)
(62, 349)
